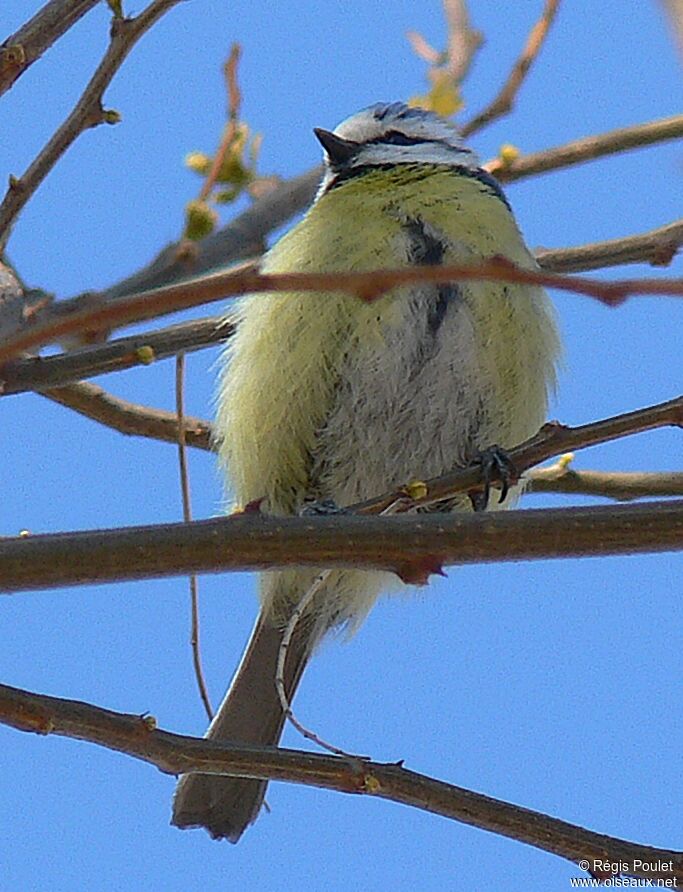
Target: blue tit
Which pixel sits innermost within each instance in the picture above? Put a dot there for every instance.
(324, 396)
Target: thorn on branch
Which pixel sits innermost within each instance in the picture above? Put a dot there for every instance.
(664, 252)
(12, 61)
(417, 572)
(16, 184)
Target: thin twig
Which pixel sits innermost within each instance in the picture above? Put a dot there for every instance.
(88, 112)
(21, 49)
(587, 149)
(505, 99)
(187, 517)
(234, 100)
(294, 620)
(463, 40)
(287, 636)
(128, 418)
(138, 736)
(366, 285)
(674, 8)
(448, 69)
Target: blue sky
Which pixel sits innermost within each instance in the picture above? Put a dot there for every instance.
(555, 685)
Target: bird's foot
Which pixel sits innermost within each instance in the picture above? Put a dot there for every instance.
(496, 467)
(320, 508)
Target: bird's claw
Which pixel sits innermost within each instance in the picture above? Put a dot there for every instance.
(496, 465)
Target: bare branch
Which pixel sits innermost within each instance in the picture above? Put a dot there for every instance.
(587, 149)
(138, 736)
(505, 99)
(88, 112)
(674, 8)
(657, 247)
(448, 69)
(234, 102)
(411, 546)
(128, 418)
(156, 424)
(366, 285)
(38, 372)
(623, 487)
(463, 40)
(25, 46)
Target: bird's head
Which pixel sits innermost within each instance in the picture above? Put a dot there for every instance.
(391, 133)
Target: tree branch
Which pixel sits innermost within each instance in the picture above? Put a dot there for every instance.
(505, 99)
(88, 112)
(187, 517)
(587, 149)
(21, 49)
(463, 40)
(157, 424)
(39, 372)
(657, 247)
(129, 418)
(245, 235)
(551, 440)
(365, 285)
(138, 736)
(411, 546)
(453, 65)
(623, 487)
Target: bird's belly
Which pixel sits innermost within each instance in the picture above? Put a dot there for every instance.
(419, 402)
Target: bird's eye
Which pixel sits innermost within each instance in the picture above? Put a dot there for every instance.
(396, 138)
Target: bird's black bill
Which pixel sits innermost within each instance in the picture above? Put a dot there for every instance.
(338, 150)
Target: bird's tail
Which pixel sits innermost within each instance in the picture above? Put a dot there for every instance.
(250, 713)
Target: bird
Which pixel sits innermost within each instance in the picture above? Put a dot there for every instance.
(324, 396)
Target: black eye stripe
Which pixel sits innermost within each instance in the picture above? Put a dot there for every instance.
(396, 138)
